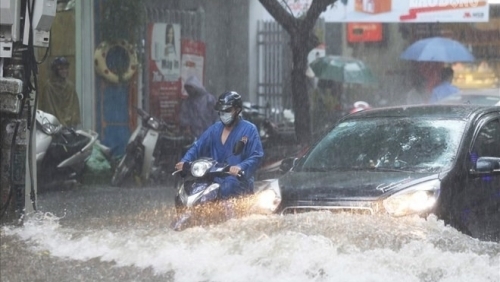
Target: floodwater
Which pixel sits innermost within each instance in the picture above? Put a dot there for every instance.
(112, 234)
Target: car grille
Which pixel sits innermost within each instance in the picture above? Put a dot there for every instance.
(363, 208)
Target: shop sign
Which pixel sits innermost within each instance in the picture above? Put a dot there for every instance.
(408, 11)
(364, 32)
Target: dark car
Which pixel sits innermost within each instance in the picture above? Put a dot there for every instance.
(485, 97)
(440, 159)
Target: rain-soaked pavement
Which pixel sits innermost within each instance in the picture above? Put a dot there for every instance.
(122, 234)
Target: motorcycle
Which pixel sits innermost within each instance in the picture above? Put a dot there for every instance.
(197, 200)
(61, 152)
(151, 152)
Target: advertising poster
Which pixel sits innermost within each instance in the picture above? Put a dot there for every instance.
(164, 70)
(192, 62)
(166, 49)
(400, 11)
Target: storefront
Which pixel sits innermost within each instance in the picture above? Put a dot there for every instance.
(482, 39)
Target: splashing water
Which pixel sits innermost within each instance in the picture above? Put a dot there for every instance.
(317, 246)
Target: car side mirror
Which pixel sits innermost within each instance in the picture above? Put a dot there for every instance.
(287, 164)
(487, 164)
(238, 147)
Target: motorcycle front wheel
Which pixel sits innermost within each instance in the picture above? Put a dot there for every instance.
(123, 170)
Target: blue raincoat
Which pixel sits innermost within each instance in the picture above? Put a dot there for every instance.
(210, 145)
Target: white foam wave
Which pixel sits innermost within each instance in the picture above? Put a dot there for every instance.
(309, 247)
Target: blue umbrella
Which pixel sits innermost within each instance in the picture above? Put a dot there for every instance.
(437, 49)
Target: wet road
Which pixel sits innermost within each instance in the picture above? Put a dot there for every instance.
(85, 208)
(122, 234)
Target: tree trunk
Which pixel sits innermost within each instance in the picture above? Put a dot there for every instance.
(302, 41)
(300, 93)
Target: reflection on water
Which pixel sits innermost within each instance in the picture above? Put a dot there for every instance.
(317, 246)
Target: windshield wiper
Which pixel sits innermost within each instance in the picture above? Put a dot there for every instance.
(392, 169)
(382, 169)
(314, 169)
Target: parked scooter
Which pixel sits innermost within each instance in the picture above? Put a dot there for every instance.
(149, 149)
(197, 201)
(61, 152)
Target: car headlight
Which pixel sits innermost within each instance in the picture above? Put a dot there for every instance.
(153, 123)
(199, 168)
(268, 199)
(417, 199)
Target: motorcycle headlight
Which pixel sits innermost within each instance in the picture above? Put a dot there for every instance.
(199, 168)
(153, 123)
(50, 128)
(417, 199)
(268, 199)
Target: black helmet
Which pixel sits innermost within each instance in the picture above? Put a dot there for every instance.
(59, 61)
(229, 99)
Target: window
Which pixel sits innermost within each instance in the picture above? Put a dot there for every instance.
(487, 143)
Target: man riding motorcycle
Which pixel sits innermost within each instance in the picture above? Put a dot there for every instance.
(218, 140)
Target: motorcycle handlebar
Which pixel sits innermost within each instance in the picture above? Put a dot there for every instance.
(187, 167)
(177, 138)
(240, 174)
(142, 113)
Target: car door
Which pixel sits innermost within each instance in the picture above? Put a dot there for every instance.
(482, 213)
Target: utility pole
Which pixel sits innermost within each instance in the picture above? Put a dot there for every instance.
(24, 24)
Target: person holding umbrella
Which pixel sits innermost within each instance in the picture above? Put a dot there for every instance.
(445, 88)
(434, 51)
(326, 106)
(333, 72)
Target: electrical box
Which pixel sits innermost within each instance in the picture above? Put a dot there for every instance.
(10, 12)
(43, 15)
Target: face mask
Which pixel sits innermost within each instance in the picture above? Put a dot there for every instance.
(226, 118)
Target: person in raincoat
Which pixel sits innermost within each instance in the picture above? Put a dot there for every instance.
(326, 104)
(218, 140)
(58, 96)
(197, 110)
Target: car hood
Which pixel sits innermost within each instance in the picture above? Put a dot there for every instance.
(347, 185)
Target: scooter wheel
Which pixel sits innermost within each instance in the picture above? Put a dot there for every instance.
(123, 170)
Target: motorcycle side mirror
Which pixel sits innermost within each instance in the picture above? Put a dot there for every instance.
(238, 147)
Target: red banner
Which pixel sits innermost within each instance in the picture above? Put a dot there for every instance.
(193, 61)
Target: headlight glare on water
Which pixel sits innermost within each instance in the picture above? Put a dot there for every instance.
(268, 199)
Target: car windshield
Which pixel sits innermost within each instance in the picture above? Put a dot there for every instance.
(422, 145)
